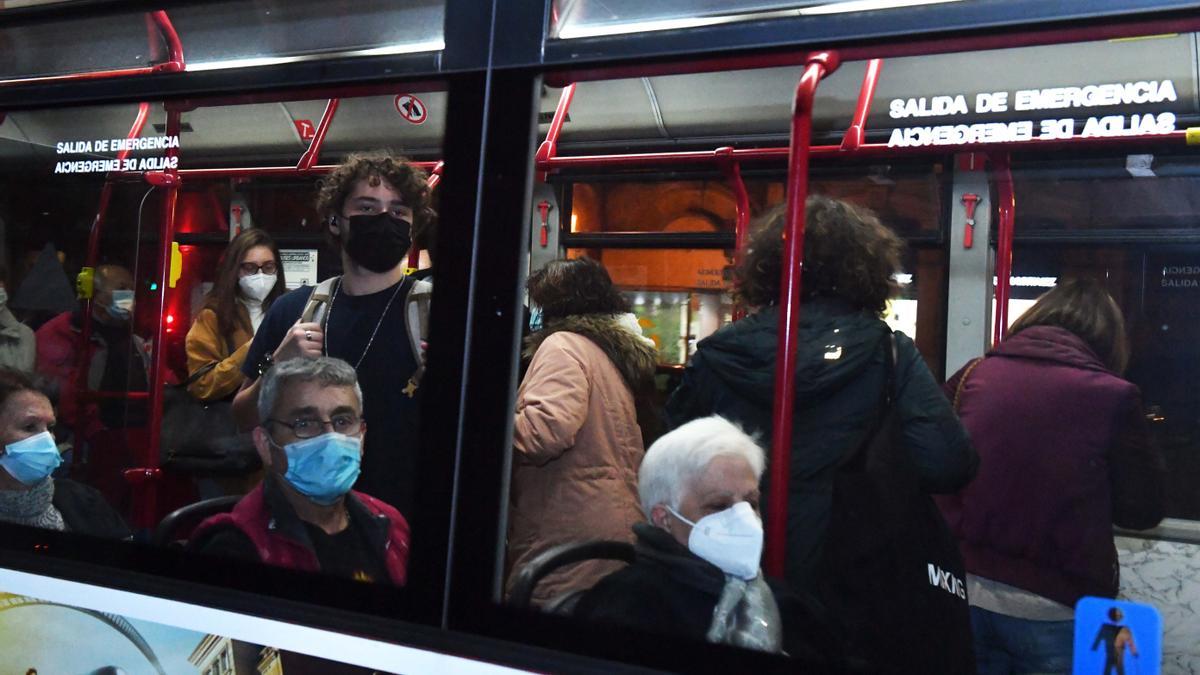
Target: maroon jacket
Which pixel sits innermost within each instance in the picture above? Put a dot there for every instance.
(278, 535)
(1064, 454)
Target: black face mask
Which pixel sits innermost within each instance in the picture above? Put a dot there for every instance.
(376, 242)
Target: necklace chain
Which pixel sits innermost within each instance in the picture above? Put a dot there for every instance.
(329, 320)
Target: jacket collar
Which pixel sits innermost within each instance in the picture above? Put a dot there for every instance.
(656, 547)
(284, 521)
(1051, 343)
(633, 358)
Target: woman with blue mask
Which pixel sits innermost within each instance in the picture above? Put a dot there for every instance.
(29, 494)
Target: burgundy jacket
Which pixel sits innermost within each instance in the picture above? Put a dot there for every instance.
(1064, 454)
(278, 535)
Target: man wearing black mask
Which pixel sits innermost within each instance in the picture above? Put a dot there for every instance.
(373, 206)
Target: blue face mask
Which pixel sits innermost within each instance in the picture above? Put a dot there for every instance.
(122, 305)
(535, 318)
(33, 459)
(323, 468)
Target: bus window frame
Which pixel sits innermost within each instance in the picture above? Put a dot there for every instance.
(489, 167)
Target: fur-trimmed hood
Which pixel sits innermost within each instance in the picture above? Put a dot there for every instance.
(634, 358)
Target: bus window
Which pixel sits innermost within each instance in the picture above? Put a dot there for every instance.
(1092, 218)
(262, 201)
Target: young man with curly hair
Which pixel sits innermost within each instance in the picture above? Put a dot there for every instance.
(373, 207)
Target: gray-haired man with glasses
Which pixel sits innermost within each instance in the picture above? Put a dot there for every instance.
(304, 514)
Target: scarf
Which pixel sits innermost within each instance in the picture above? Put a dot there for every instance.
(746, 616)
(32, 507)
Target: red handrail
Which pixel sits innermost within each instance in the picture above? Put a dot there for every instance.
(1006, 212)
(549, 147)
(174, 64)
(144, 510)
(414, 252)
(819, 65)
(733, 173)
(309, 159)
(251, 171)
(856, 133)
(652, 159)
(82, 363)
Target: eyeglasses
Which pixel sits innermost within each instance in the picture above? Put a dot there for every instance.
(310, 427)
(249, 268)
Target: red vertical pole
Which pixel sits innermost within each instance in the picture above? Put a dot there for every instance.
(435, 177)
(309, 159)
(549, 147)
(733, 173)
(856, 132)
(1006, 204)
(145, 512)
(175, 63)
(819, 65)
(82, 365)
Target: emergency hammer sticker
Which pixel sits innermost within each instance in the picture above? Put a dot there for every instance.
(411, 108)
(1117, 638)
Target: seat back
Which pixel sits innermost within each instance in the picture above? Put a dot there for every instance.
(551, 559)
(175, 528)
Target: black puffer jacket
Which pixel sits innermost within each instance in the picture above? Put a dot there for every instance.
(85, 511)
(669, 590)
(839, 378)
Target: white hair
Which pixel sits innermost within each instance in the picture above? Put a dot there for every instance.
(677, 459)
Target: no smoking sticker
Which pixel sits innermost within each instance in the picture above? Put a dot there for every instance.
(411, 108)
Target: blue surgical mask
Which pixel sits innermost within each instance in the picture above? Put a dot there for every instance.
(122, 305)
(325, 467)
(33, 459)
(535, 318)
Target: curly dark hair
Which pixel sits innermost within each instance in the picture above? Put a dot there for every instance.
(380, 165)
(579, 286)
(848, 254)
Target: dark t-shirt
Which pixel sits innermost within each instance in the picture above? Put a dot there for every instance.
(347, 554)
(389, 456)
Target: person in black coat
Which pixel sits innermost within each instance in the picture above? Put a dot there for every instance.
(696, 574)
(28, 493)
(849, 262)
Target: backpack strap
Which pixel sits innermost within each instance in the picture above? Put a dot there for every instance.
(887, 396)
(416, 319)
(317, 308)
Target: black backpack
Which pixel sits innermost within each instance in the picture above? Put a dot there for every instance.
(890, 569)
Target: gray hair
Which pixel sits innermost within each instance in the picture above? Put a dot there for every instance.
(678, 458)
(329, 371)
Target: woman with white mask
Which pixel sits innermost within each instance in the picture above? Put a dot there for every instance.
(697, 568)
(249, 278)
(29, 495)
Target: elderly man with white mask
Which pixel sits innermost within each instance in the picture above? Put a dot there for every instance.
(697, 568)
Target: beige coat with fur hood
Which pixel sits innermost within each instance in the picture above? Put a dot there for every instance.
(577, 445)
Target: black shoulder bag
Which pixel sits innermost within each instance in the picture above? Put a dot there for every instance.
(890, 569)
(201, 437)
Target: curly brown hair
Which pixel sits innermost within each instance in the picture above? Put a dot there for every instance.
(1085, 308)
(848, 254)
(380, 165)
(570, 287)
